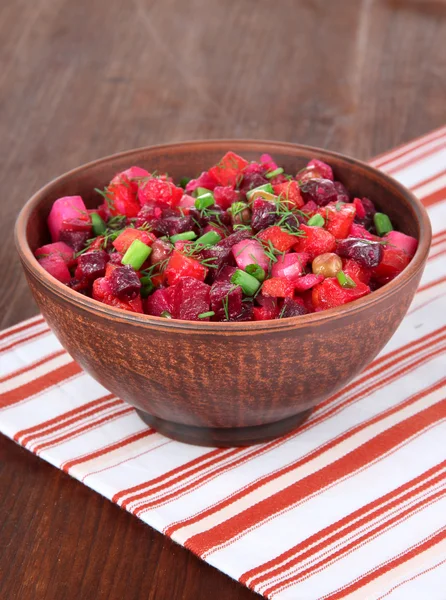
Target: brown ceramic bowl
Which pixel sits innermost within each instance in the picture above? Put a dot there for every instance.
(222, 384)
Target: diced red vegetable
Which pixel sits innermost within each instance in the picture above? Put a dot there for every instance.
(290, 266)
(56, 266)
(125, 239)
(393, 262)
(338, 219)
(180, 266)
(316, 241)
(57, 249)
(306, 282)
(280, 239)
(250, 252)
(289, 193)
(64, 209)
(406, 243)
(329, 293)
(278, 287)
(229, 169)
(161, 192)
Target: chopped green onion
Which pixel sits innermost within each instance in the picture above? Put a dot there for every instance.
(136, 254)
(184, 181)
(204, 201)
(274, 173)
(183, 237)
(256, 271)
(344, 280)
(199, 191)
(166, 314)
(205, 315)
(209, 239)
(382, 223)
(146, 286)
(267, 187)
(248, 283)
(316, 221)
(99, 225)
(237, 207)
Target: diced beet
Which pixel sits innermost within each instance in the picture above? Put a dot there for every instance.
(219, 257)
(235, 238)
(191, 298)
(359, 231)
(91, 265)
(217, 216)
(79, 285)
(174, 225)
(306, 282)
(63, 209)
(102, 292)
(268, 162)
(360, 210)
(365, 252)
(264, 214)
(290, 266)
(320, 191)
(402, 241)
(186, 203)
(57, 249)
(280, 239)
(310, 207)
(292, 308)
(161, 249)
(342, 193)
(74, 239)
(225, 196)
(324, 170)
(261, 313)
(289, 193)
(56, 266)
(226, 301)
(148, 214)
(77, 224)
(249, 252)
(370, 210)
(206, 180)
(160, 301)
(124, 283)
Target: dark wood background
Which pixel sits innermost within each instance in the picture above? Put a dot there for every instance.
(82, 79)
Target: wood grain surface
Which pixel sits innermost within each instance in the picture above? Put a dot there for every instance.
(83, 79)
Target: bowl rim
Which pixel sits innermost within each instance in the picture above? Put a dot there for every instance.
(31, 264)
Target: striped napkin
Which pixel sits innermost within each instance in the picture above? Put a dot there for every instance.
(352, 505)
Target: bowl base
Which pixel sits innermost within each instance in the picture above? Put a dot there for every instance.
(224, 437)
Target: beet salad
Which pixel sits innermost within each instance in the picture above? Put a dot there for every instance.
(245, 241)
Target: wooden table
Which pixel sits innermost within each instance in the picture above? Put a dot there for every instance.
(83, 79)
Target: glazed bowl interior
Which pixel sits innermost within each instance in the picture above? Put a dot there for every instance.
(190, 159)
